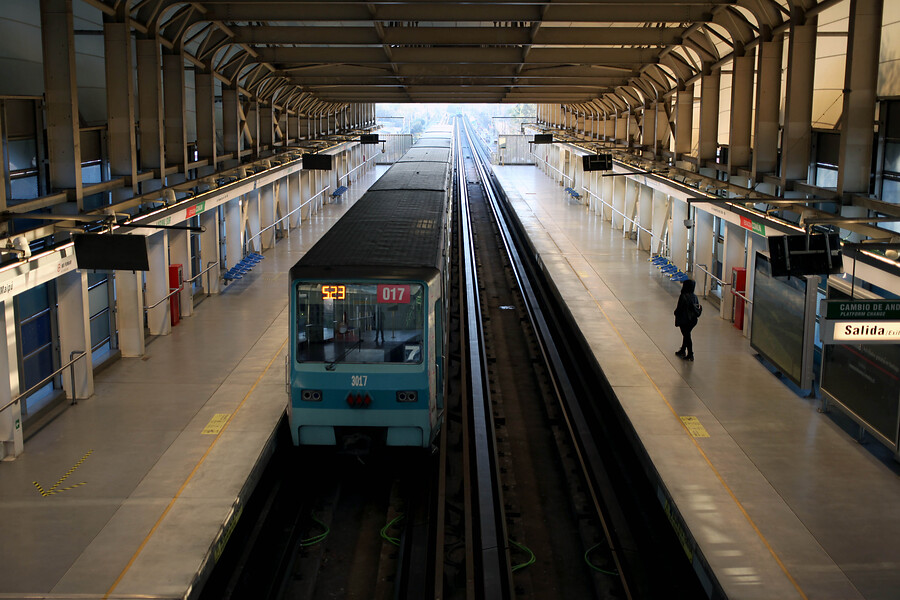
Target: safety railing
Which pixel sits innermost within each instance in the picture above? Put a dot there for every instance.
(359, 166)
(285, 217)
(73, 358)
(618, 212)
(208, 268)
(164, 298)
(722, 283)
(742, 297)
(551, 167)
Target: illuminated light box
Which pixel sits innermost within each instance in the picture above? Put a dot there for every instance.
(104, 252)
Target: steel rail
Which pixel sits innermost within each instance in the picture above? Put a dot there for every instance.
(492, 569)
(589, 454)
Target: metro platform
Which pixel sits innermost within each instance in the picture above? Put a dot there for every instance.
(779, 501)
(143, 480)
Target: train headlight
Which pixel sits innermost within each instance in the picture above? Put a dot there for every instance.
(311, 395)
(408, 396)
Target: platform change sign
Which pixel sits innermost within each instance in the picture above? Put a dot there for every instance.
(860, 322)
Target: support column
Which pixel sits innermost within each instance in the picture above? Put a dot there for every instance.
(618, 202)
(606, 192)
(768, 104)
(150, 104)
(741, 114)
(231, 121)
(858, 117)
(678, 234)
(74, 324)
(709, 120)
(631, 200)
(61, 92)
(120, 103)
(645, 208)
(797, 134)
(266, 127)
(734, 255)
(180, 254)
(209, 251)
(233, 232)
(684, 122)
(157, 278)
(206, 121)
(130, 312)
(660, 222)
(266, 216)
(173, 100)
(703, 246)
(11, 441)
(252, 205)
(281, 203)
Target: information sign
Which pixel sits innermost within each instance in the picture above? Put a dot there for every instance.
(863, 309)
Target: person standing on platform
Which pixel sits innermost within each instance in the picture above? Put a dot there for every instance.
(687, 311)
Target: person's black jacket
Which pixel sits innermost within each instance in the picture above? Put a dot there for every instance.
(685, 311)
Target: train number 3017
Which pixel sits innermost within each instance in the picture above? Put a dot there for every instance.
(358, 380)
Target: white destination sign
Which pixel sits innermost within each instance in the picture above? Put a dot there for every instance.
(867, 331)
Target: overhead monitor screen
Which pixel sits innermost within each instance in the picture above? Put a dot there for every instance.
(104, 252)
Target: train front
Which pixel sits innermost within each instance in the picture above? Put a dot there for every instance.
(362, 364)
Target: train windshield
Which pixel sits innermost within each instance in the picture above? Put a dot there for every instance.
(360, 323)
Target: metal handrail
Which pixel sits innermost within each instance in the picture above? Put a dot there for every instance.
(359, 166)
(164, 298)
(743, 297)
(722, 282)
(549, 166)
(200, 274)
(69, 365)
(624, 216)
(268, 227)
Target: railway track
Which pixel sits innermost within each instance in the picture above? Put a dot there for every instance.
(534, 490)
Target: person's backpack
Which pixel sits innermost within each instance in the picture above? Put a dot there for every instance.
(696, 307)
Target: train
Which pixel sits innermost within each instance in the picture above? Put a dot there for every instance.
(368, 312)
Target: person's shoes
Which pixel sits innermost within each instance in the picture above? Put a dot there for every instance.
(689, 357)
(680, 354)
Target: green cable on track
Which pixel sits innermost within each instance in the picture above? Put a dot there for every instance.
(531, 558)
(316, 538)
(594, 567)
(384, 533)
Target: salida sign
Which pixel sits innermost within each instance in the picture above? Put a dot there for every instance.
(860, 321)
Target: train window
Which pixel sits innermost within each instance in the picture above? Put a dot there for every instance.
(360, 322)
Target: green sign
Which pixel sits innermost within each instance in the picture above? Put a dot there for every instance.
(863, 309)
(18, 424)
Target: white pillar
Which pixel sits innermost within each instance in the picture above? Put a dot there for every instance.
(233, 232)
(209, 251)
(703, 246)
(645, 209)
(631, 197)
(734, 256)
(618, 202)
(158, 318)
(660, 222)
(266, 216)
(180, 254)
(75, 331)
(281, 203)
(678, 234)
(252, 219)
(130, 312)
(11, 441)
(294, 182)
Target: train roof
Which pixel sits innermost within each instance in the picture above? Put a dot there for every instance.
(414, 176)
(396, 229)
(433, 142)
(417, 154)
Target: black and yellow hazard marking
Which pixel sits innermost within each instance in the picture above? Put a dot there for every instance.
(53, 490)
(215, 425)
(694, 427)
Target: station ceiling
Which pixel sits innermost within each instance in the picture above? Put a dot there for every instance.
(474, 51)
